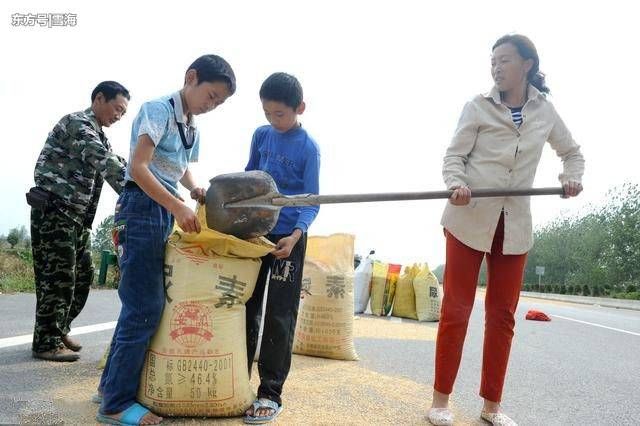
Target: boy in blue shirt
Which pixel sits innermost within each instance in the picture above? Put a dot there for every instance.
(287, 152)
(164, 140)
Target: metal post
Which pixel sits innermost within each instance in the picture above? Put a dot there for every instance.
(104, 265)
(107, 258)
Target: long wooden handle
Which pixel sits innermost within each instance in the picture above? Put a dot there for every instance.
(313, 199)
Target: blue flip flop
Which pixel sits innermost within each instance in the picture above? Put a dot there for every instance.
(263, 403)
(96, 398)
(129, 417)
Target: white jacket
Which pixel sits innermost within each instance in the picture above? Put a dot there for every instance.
(489, 151)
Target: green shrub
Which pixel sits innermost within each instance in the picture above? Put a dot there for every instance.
(16, 271)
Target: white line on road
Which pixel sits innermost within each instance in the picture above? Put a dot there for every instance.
(597, 325)
(27, 338)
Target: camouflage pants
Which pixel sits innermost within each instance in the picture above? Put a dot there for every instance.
(63, 274)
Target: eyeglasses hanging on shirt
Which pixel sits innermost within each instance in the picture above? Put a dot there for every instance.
(188, 136)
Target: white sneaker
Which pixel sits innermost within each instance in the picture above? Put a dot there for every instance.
(440, 416)
(498, 419)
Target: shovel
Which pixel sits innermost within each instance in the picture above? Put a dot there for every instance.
(247, 204)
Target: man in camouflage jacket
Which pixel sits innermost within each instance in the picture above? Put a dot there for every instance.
(74, 163)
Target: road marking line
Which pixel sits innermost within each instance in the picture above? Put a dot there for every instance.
(28, 338)
(597, 325)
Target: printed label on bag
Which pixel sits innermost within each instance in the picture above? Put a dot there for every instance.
(183, 378)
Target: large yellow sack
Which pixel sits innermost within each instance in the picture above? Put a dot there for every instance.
(196, 364)
(404, 304)
(378, 287)
(325, 318)
(428, 295)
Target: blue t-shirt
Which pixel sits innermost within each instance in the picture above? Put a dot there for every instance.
(159, 120)
(292, 158)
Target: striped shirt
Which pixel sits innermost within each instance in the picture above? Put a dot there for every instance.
(516, 115)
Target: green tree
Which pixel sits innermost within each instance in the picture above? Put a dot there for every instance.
(102, 239)
(16, 236)
(12, 238)
(600, 247)
(622, 252)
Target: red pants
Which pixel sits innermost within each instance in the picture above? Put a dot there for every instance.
(504, 280)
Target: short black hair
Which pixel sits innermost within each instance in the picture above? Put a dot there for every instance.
(110, 89)
(282, 87)
(213, 68)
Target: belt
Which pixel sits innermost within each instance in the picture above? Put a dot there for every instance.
(132, 185)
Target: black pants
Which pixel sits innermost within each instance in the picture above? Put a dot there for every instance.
(280, 316)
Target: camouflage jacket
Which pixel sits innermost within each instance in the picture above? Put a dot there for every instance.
(74, 163)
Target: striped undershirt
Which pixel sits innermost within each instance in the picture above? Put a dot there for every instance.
(516, 116)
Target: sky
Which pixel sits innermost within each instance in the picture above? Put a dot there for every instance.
(384, 84)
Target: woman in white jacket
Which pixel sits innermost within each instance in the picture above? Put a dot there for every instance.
(498, 143)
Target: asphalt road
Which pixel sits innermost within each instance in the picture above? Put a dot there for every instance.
(582, 368)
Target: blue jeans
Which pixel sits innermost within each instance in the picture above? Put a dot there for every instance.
(142, 229)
